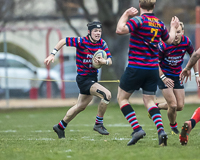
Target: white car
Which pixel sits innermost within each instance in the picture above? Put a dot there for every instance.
(20, 72)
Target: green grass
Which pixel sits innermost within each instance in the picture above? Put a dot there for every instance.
(27, 135)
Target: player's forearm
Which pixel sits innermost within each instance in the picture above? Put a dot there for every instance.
(193, 60)
(172, 35)
(121, 25)
(60, 44)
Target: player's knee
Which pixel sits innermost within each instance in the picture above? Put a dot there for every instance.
(173, 107)
(106, 96)
(180, 107)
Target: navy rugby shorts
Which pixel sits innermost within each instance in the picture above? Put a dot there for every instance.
(177, 83)
(85, 83)
(134, 79)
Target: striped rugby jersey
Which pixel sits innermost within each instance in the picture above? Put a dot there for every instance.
(145, 34)
(171, 56)
(85, 50)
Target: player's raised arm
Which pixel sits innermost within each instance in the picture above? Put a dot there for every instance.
(173, 26)
(58, 46)
(122, 28)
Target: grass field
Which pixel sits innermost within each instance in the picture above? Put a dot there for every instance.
(26, 134)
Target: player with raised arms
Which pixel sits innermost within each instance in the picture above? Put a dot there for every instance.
(142, 71)
(86, 79)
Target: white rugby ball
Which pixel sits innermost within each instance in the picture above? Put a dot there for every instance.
(99, 53)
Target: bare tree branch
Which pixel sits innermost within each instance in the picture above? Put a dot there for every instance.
(86, 13)
(61, 5)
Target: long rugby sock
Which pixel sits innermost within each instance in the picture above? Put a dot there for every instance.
(129, 114)
(156, 117)
(99, 120)
(173, 125)
(195, 117)
(62, 125)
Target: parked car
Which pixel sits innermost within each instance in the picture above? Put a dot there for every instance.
(70, 73)
(20, 73)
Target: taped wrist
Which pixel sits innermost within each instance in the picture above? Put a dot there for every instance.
(54, 51)
(196, 74)
(163, 77)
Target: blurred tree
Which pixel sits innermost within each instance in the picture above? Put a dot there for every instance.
(6, 11)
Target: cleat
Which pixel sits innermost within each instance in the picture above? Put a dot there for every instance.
(175, 131)
(101, 129)
(136, 136)
(60, 133)
(183, 137)
(162, 137)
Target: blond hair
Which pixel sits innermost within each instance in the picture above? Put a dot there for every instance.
(147, 4)
(182, 25)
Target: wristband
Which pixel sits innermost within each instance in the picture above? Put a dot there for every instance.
(162, 77)
(187, 68)
(54, 51)
(107, 62)
(196, 74)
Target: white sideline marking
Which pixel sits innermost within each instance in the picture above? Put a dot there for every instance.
(71, 130)
(88, 138)
(69, 150)
(40, 139)
(6, 131)
(40, 131)
(121, 139)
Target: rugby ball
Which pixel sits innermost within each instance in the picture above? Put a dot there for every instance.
(99, 53)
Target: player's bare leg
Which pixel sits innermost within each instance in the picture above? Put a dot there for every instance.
(105, 95)
(163, 106)
(83, 101)
(171, 100)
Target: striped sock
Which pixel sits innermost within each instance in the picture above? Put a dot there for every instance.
(62, 125)
(173, 125)
(99, 120)
(129, 114)
(156, 117)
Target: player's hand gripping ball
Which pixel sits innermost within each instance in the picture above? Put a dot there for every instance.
(98, 54)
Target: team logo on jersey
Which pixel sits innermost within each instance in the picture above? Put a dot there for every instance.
(86, 50)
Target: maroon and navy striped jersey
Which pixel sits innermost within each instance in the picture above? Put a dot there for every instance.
(145, 34)
(85, 50)
(171, 56)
